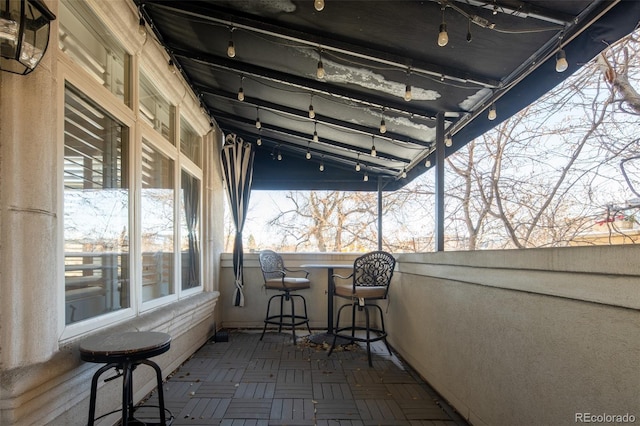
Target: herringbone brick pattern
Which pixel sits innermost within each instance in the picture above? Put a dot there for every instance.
(246, 381)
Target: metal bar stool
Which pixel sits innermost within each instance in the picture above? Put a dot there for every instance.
(124, 352)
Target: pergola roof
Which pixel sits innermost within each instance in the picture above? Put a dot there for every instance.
(370, 51)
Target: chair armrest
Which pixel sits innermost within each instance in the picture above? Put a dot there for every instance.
(306, 273)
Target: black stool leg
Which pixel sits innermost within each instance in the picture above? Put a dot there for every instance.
(94, 390)
(155, 366)
(127, 393)
(293, 317)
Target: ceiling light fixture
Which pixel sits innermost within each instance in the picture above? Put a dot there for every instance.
(443, 37)
(319, 5)
(373, 147)
(241, 90)
(320, 70)
(561, 61)
(492, 113)
(231, 48)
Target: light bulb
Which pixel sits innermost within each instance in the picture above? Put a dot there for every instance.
(319, 5)
(315, 136)
(404, 173)
(492, 113)
(142, 30)
(366, 177)
(322, 167)
(172, 67)
(312, 113)
(561, 61)
(308, 156)
(259, 141)
(427, 163)
(231, 50)
(407, 93)
(357, 167)
(373, 151)
(320, 71)
(448, 141)
(258, 123)
(383, 126)
(241, 94)
(443, 37)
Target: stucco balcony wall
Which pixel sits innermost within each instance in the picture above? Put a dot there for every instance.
(527, 337)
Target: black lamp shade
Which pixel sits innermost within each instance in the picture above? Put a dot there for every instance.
(24, 34)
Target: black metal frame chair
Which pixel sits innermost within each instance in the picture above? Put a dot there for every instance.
(370, 282)
(276, 278)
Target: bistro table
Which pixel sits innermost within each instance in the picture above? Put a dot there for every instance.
(327, 337)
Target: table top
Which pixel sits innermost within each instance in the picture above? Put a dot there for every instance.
(328, 265)
(131, 346)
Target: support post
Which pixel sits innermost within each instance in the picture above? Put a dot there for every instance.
(439, 183)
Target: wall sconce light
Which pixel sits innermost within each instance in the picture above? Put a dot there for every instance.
(24, 34)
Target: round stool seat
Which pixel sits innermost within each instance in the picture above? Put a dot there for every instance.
(129, 346)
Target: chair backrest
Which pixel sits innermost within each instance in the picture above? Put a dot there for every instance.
(271, 264)
(374, 269)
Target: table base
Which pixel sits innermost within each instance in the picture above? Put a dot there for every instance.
(322, 338)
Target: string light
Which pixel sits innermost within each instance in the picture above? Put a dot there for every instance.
(258, 123)
(448, 141)
(407, 93)
(427, 163)
(308, 155)
(142, 30)
(279, 155)
(561, 61)
(443, 37)
(366, 177)
(358, 164)
(315, 133)
(383, 126)
(241, 90)
(172, 67)
(319, 5)
(320, 70)
(312, 113)
(373, 147)
(231, 48)
(469, 31)
(492, 113)
(322, 165)
(404, 173)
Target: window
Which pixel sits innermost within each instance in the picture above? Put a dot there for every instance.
(190, 231)
(87, 41)
(155, 109)
(190, 143)
(157, 224)
(96, 210)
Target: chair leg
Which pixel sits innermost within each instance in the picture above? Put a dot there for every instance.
(384, 332)
(266, 317)
(293, 317)
(335, 334)
(368, 330)
(306, 315)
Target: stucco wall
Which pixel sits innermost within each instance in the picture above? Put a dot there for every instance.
(528, 337)
(42, 379)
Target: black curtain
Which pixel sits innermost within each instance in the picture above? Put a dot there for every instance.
(191, 193)
(237, 163)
